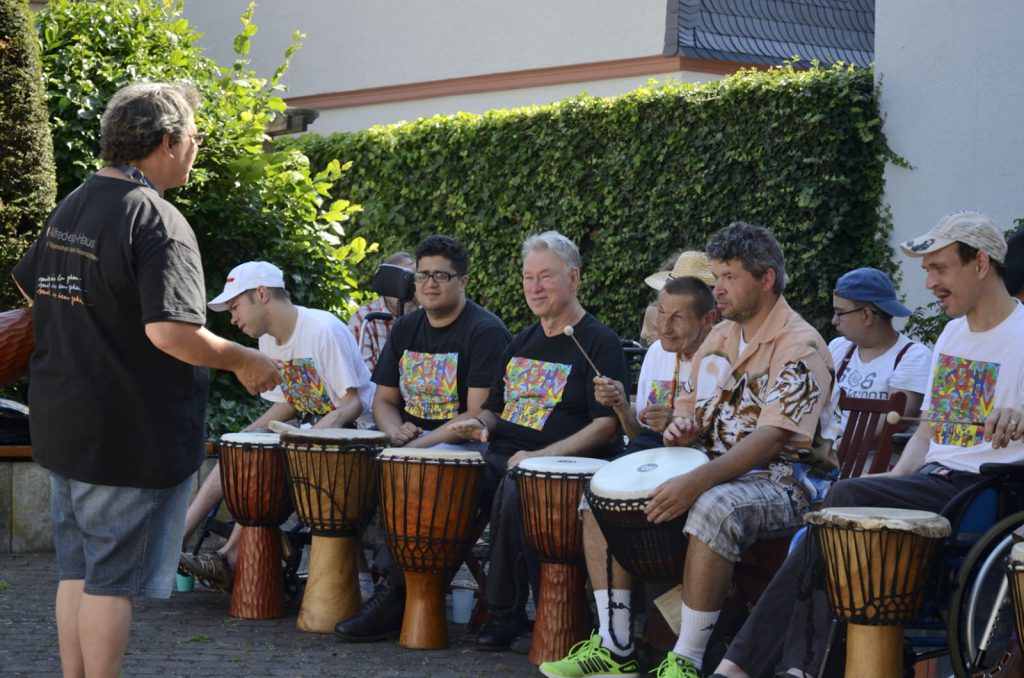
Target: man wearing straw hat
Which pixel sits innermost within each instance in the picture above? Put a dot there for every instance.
(685, 313)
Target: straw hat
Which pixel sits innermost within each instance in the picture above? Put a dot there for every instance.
(690, 263)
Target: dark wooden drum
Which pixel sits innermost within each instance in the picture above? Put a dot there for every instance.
(17, 341)
(876, 566)
(617, 495)
(334, 487)
(255, 485)
(549, 491)
(428, 502)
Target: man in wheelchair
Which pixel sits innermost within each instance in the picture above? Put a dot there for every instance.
(977, 386)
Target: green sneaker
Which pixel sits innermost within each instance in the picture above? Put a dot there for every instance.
(676, 666)
(588, 659)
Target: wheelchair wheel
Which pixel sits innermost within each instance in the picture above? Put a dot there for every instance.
(980, 621)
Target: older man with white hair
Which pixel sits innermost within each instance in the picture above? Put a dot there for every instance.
(542, 405)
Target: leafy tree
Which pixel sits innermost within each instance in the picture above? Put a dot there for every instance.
(243, 201)
(27, 186)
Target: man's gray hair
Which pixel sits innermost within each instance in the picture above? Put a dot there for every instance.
(553, 241)
(139, 115)
(753, 246)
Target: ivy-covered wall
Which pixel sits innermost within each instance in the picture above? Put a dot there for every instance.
(633, 178)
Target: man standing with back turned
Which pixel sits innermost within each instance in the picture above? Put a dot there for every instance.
(117, 390)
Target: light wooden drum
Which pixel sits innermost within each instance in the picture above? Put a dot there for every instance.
(550, 489)
(617, 496)
(428, 502)
(333, 478)
(1015, 573)
(252, 475)
(876, 564)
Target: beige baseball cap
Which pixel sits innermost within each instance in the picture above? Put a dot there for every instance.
(970, 228)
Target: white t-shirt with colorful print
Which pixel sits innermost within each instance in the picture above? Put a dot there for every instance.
(318, 364)
(973, 373)
(660, 382)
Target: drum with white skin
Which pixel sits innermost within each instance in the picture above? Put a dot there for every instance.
(618, 494)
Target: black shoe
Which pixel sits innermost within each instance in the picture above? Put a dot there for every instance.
(503, 628)
(380, 617)
(521, 644)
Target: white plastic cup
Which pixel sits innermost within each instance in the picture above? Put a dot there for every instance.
(462, 605)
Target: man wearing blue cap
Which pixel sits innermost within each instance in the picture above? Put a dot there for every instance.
(872, 359)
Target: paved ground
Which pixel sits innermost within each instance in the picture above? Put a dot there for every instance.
(191, 634)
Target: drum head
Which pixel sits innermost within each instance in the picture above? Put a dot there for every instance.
(1017, 556)
(430, 454)
(577, 466)
(251, 438)
(924, 523)
(636, 475)
(335, 436)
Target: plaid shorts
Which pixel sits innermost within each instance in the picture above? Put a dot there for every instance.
(730, 517)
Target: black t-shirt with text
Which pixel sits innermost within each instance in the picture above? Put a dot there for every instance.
(107, 406)
(546, 392)
(434, 367)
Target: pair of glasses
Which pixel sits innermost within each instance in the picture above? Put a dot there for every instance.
(198, 138)
(436, 276)
(840, 314)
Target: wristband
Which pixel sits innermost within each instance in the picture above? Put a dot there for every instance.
(483, 424)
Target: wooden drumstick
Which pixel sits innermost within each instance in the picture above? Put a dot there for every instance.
(281, 427)
(568, 331)
(894, 418)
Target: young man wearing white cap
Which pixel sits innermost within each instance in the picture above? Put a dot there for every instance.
(977, 375)
(324, 382)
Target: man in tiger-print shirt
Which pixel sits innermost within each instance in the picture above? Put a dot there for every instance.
(761, 380)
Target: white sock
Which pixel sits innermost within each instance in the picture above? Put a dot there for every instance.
(365, 585)
(694, 632)
(618, 624)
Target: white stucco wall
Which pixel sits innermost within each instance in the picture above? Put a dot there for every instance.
(953, 97)
(355, 44)
(362, 117)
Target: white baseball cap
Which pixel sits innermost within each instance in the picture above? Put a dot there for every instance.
(245, 277)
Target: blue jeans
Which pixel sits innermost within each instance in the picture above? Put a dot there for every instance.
(122, 541)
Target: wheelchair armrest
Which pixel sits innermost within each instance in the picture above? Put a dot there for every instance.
(1013, 472)
(378, 315)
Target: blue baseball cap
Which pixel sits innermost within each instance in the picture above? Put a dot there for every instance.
(871, 286)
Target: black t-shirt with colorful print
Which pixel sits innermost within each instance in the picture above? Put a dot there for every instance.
(434, 367)
(546, 392)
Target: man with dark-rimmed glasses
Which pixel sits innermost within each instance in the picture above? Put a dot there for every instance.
(437, 366)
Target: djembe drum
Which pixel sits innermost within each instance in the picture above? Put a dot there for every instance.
(428, 502)
(876, 565)
(17, 341)
(550, 489)
(1015, 573)
(255, 485)
(333, 478)
(617, 496)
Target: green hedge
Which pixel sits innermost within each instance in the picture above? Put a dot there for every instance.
(27, 184)
(633, 178)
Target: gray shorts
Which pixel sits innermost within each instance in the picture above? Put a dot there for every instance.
(122, 541)
(730, 517)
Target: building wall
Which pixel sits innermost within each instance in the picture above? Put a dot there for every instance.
(951, 96)
(353, 46)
